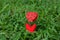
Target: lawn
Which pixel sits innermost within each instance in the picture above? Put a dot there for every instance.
(13, 19)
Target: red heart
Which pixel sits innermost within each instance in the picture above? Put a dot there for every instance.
(31, 16)
(31, 28)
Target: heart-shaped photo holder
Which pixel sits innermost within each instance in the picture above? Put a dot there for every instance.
(30, 28)
(31, 16)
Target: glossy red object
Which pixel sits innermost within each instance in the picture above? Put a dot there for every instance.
(31, 16)
(30, 28)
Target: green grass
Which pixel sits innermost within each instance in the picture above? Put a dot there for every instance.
(12, 19)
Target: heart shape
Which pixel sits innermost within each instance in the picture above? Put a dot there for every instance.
(30, 28)
(31, 16)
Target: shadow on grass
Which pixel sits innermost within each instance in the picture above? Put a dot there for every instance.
(40, 27)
